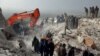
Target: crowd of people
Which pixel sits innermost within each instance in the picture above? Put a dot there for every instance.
(46, 47)
(93, 11)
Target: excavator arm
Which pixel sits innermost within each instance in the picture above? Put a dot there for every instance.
(21, 16)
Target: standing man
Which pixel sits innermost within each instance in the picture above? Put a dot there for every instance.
(44, 47)
(42, 24)
(51, 47)
(96, 11)
(64, 53)
(90, 11)
(65, 17)
(93, 11)
(86, 11)
(59, 50)
(86, 53)
(71, 52)
(35, 43)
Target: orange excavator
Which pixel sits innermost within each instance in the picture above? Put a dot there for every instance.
(25, 15)
(10, 31)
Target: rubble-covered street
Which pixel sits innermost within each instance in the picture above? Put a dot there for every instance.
(88, 30)
(61, 28)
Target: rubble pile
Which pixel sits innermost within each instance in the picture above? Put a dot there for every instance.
(82, 34)
(14, 48)
(87, 35)
(90, 27)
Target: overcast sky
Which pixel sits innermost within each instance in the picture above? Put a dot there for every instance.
(47, 6)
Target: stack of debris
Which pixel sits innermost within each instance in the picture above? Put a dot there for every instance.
(88, 34)
(85, 36)
(2, 20)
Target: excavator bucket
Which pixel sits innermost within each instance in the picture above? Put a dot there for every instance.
(35, 17)
(36, 13)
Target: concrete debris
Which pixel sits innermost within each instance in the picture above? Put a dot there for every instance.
(2, 35)
(87, 35)
(5, 44)
(73, 43)
(2, 20)
(88, 42)
(80, 39)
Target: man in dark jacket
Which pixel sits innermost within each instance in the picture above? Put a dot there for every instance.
(96, 11)
(35, 43)
(51, 47)
(86, 11)
(90, 11)
(86, 53)
(44, 47)
(71, 52)
(93, 11)
(91, 54)
(64, 53)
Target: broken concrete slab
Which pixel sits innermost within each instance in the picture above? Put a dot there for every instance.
(89, 42)
(80, 39)
(3, 55)
(2, 35)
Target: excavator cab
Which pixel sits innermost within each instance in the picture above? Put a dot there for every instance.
(22, 26)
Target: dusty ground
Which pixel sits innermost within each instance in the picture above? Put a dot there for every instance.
(73, 37)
